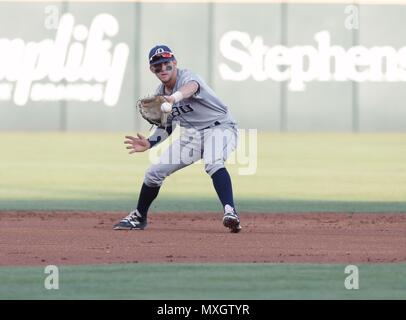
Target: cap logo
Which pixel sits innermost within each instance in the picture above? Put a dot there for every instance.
(159, 50)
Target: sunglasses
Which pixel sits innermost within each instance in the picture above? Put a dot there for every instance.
(158, 67)
(160, 55)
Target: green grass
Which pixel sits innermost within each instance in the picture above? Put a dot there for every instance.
(195, 204)
(295, 172)
(209, 281)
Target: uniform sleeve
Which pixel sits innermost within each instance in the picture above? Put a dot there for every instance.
(188, 76)
(160, 134)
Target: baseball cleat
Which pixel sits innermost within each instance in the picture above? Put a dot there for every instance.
(133, 221)
(231, 220)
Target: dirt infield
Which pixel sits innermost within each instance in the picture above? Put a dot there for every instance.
(38, 238)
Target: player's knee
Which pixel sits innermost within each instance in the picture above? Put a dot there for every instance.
(154, 177)
(212, 168)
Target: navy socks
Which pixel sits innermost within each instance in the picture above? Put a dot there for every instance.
(147, 195)
(222, 184)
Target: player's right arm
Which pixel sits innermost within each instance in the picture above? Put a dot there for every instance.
(184, 92)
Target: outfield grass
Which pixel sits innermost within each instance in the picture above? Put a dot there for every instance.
(295, 172)
(209, 281)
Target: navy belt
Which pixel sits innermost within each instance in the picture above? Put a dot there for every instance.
(212, 125)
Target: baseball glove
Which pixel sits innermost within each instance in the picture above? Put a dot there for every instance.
(150, 109)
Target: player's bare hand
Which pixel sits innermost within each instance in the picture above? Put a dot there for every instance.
(139, 144)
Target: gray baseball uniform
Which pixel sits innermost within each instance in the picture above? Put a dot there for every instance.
(202, 109)
(207, 131)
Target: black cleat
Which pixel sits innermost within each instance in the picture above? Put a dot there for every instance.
(231, 219)
(134, 221)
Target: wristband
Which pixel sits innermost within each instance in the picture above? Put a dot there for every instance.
(154, 142)
(178, 96)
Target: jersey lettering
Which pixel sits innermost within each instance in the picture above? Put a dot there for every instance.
(176, 111)
(186, 108)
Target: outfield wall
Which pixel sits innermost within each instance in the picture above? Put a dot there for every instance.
(80, 66)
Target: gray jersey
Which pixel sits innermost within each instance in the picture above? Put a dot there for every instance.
(201, 110)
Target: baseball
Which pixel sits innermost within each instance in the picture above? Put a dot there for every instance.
(166, 107)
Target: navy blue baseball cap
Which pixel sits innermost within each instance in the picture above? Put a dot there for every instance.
(160, 54)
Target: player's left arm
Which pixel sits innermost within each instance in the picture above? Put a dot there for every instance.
(184, 92)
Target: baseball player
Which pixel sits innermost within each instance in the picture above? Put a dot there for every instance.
(208, 132)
